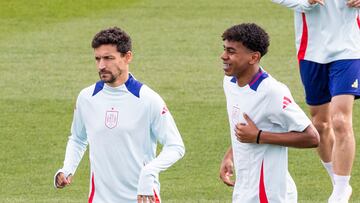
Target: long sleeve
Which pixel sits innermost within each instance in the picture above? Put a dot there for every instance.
(297, 5)
(164, 130)
(76, 145)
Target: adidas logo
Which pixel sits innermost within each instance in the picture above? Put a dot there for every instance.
(286, 102)
(164, 110)
(355, 84)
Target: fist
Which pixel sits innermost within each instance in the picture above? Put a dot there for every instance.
(62, 181)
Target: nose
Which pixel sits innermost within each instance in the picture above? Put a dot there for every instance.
(101, 67)
(101, 64)
(223, 56)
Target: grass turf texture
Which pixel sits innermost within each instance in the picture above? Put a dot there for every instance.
(47, 59)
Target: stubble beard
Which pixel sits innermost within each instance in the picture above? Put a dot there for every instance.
(112, 78)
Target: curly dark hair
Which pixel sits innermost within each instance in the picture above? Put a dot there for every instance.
(115, 36)
(250, 35)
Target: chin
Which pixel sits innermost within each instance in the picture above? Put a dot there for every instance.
(228, 73)
(108, 80)
(104, 79)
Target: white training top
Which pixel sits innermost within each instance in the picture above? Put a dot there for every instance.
(122, 126)
(325, 33)
(262, 169)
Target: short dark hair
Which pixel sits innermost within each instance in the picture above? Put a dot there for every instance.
(250, 35)
(115, 36)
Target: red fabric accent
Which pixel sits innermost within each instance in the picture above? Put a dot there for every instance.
(262, 192)
(256, 77)
(304, 39)
(157, 200)
(91, 197)
(287, 99)
(358, 21)
(286, 102)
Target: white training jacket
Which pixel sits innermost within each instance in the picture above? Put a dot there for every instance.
(326, 33)
(122, 126)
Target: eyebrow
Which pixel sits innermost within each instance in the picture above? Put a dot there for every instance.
(104, 56)
(229, 48)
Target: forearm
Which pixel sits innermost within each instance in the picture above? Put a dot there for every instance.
(309, 138)
(298, 5)
(73, 155)
(168, 156)
(229, 154)
(74, 152)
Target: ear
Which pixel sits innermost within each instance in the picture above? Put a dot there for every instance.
(128, 57)
(255, 58)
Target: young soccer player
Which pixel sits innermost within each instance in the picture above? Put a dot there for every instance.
(264, 120)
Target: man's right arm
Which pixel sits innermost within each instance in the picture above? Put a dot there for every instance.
(75, 149)
(299, 5)
(227, 168)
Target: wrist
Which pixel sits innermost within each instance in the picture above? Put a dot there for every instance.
(311, 2)
(258, 137)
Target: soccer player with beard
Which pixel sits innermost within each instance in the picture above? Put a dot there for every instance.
(264, 120)
(122, 120)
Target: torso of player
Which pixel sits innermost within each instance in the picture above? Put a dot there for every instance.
(248, 158)
(116, 120)
(114, 115)
(255, 104)
(117, 125)
(328, 33)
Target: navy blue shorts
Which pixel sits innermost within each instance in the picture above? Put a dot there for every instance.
(324, 81)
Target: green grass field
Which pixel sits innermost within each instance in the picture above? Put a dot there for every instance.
(46, 59)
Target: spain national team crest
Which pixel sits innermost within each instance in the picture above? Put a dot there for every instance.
(235, 114)
(111, 119)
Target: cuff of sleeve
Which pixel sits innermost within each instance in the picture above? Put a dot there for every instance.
(146, 183)
(66, 173)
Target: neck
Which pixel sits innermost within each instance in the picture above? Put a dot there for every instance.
(246, 76)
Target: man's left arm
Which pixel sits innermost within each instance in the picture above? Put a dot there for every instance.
(297, 129)
(164, 129)
(300, 5)
(249, 133)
